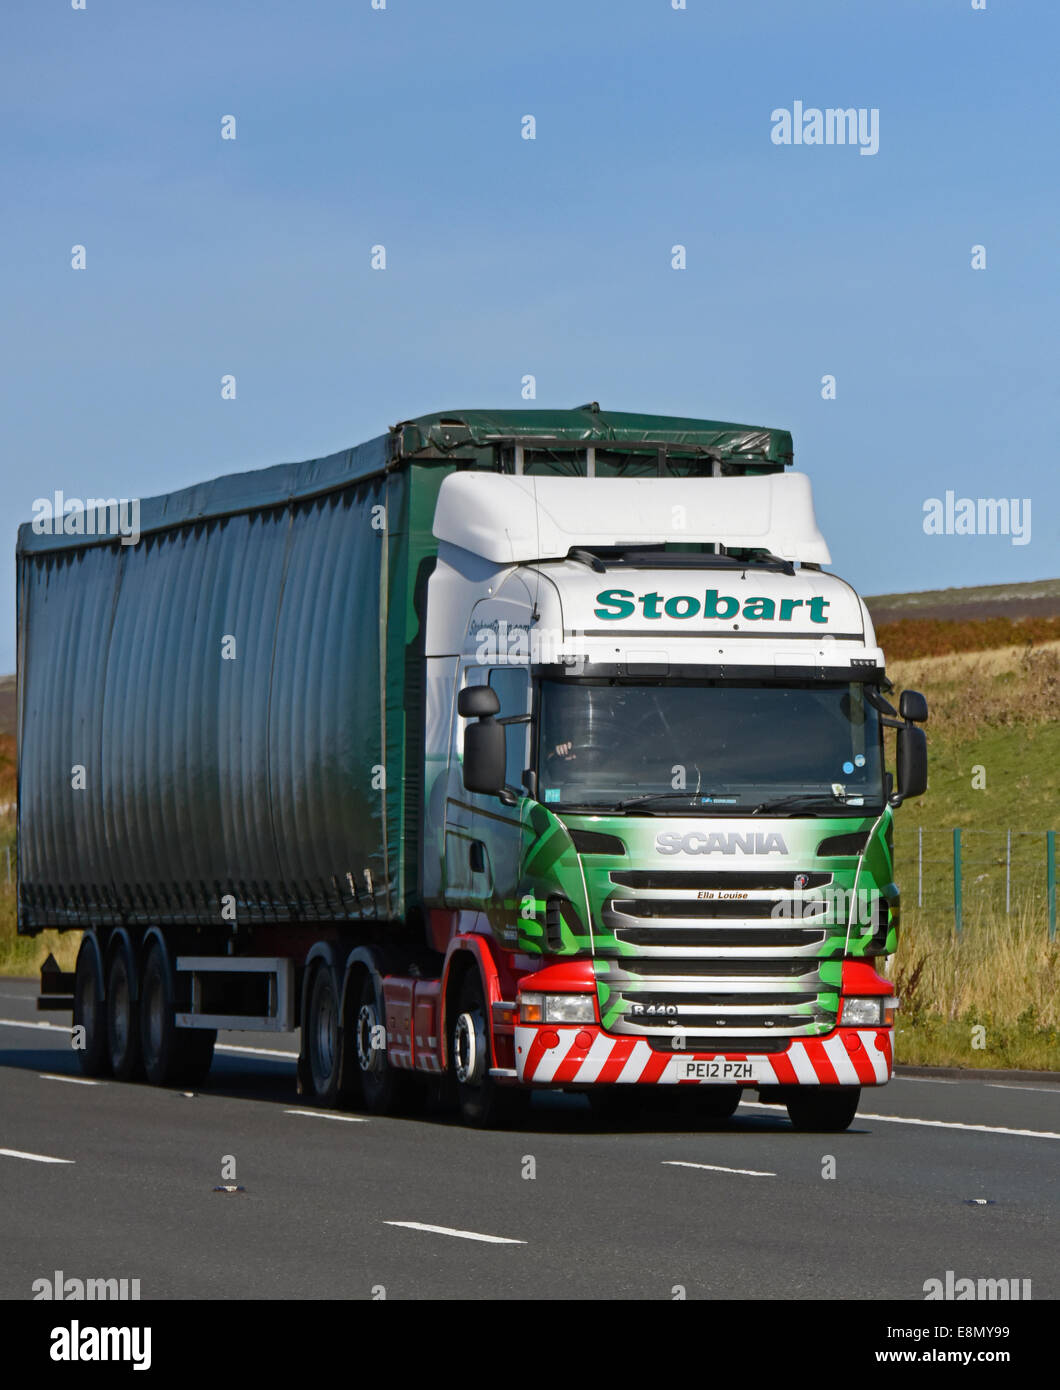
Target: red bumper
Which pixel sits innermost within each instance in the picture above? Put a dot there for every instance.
(584, 1055)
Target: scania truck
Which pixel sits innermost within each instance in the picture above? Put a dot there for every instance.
(508, 751)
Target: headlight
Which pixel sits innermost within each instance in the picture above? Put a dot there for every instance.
(859, 1013)
(556, 1008)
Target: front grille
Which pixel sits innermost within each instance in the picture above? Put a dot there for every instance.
(723, 961)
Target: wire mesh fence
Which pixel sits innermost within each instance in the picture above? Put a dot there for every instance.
(963, 873)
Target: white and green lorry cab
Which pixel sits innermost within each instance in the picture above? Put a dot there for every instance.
(655, 753)
(506, 750)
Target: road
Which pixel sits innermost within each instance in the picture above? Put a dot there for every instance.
(335, 1206)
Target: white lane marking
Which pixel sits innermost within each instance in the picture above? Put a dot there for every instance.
(220, 1047)
(35, 1158)
(256, 1051)
(1013, 1086)
(715, 1168)
(26, 1023)
(451, 1231)
(933, 1124)
(931, 1080)
(73, 1080)
(22, 998)
(323, 1115)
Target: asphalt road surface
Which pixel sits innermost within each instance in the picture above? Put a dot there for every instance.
(106, 1180)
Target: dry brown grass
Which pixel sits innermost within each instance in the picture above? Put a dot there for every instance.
(972, 691)
(916, 637)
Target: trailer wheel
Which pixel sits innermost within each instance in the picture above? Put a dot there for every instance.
(89, 1011)
(172, 1056)
(822, 1111)
(481, 1102)
(323, 1036)
(123, 1023)
(385, 1090)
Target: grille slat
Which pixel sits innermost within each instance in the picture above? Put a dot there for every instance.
(751, 880)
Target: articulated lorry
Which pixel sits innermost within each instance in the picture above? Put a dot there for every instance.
(508, 750)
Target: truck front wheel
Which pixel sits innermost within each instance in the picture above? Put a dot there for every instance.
(480, 1100)
(822, 1111)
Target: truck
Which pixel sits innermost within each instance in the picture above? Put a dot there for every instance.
(508, 751)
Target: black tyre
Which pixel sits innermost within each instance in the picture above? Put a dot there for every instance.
(711, 1104)
(90, 1012)
(322, 1031)
(384, 1090)
(123, 1019)
(480, 1100)
(172, 1056)
(823, 1111)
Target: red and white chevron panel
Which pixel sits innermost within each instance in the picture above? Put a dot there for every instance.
(574, 1056)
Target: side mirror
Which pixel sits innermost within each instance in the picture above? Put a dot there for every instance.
(484, 754)
(912, 761)
(913, 707)
(477, 702)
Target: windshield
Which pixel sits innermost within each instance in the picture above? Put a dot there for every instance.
(743, 747)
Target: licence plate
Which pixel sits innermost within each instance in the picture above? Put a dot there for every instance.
(691, 1069)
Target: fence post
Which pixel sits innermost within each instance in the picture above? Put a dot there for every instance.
(957, 880)
(1008, 872)
(920, 866)
(1050, 877)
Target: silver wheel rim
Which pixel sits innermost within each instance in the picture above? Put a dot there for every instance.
(369, 1057)
(466, 1049)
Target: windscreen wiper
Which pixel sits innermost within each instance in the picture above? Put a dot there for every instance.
(801, 800)
(700, 798)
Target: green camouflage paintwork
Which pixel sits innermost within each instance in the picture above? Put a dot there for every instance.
(549, 867)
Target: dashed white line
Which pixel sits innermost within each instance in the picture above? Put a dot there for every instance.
(452, 1231)
(27, 1023)
(72, 1080)
(325, 1115)
(34, 1158)
(715, 1168)
(1013, 1086)
(932, 1124)
(256, 1051)
(930, 1080)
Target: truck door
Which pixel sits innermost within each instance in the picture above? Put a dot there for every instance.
(482, 835)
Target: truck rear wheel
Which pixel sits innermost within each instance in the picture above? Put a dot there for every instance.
(172, 1056)
(385, 1090)
(123, 1022)
(89, 1010)
(323, 1036)
(481, 1102)
(822, 1111)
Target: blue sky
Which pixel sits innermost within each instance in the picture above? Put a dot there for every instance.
(550, 257)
